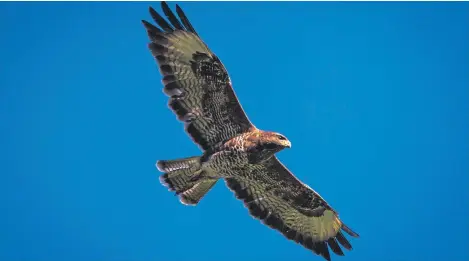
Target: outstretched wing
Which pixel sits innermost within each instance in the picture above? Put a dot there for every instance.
(195, 80)
(277, 198)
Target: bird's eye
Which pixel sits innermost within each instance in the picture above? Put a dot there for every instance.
(280, 137)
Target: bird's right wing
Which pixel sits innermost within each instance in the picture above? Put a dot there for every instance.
(277, 198)
(195, 80)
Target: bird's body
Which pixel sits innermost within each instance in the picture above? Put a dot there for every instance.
(201, 95)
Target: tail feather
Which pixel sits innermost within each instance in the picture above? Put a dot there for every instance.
(193, 195)
(171, 165)
(185, 177)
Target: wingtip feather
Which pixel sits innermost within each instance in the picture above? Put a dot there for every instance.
(350, 231)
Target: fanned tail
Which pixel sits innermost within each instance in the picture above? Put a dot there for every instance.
(184, 176)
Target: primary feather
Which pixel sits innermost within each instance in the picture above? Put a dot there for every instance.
(201, 95)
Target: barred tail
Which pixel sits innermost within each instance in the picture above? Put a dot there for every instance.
(185, 177)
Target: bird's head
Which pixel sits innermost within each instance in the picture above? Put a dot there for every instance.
(274, 141)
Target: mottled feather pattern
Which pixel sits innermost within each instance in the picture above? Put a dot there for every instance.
(178, 173)
(196, 81)
(193, 195)
(274, 196)
(181, 175)
(201, 95)
(172, 165)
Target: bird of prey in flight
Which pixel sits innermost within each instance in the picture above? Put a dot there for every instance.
(202, 97)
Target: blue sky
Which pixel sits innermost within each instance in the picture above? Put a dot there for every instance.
(373, 96)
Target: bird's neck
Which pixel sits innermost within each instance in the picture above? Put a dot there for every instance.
(259, 149)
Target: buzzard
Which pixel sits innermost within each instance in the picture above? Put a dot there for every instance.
(201, 95)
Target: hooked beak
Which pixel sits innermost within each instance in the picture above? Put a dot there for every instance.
(288, 144)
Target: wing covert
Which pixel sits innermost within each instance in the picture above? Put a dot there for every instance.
(277, 198)
(196, 81)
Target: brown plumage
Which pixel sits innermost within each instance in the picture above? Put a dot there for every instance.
(201, 96)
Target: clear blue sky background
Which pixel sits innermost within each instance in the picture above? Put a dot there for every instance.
(373, 96)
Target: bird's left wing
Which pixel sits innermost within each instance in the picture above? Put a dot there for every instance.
(277, 198)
